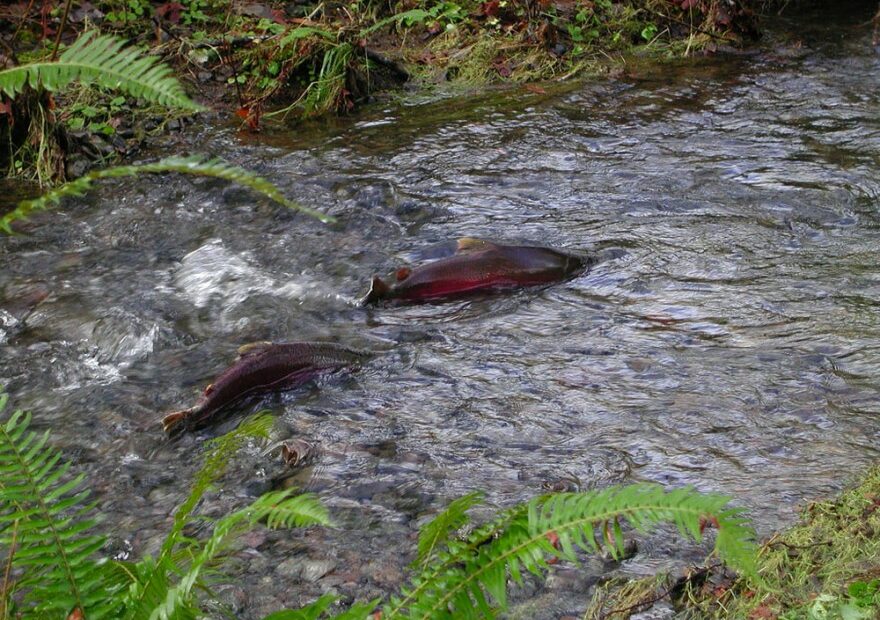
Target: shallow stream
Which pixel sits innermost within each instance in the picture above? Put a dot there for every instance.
(726, 339)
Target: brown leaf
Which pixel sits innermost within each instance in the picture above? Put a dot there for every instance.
(534, 88)
(706, 521)
(762, 612)
(170, 11)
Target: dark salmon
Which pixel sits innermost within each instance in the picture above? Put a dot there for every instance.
(261, 368)
(477, 266)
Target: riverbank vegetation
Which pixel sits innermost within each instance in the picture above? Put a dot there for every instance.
(56, 563)
(825, 566)
(310, 57)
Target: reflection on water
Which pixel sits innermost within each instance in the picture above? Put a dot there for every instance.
(727, 338)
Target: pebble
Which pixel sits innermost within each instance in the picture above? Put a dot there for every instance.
(233, 597)
(383, 573)
(312, 570)
(290, 569)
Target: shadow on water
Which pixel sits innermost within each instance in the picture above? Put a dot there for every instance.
(727, 338)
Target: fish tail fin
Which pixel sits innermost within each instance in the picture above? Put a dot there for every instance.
(378, 290)
(174, 423)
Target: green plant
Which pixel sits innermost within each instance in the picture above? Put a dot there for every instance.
(127, 12)
(103, 60)
(47, 528)
(468, 578)
(195, 165)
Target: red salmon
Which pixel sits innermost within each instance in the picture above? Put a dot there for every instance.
(261, 368)
(477, 266)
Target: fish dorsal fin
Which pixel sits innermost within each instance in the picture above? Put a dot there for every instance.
(472, 244)
(378, 290)
(253, 348)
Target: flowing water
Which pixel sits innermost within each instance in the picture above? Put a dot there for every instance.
(727, 337)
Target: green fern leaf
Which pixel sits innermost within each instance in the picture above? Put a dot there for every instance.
(153, 577)
(437, 531)
(279, 509)
(470, 580)
(45, 526)
(103, 60)
(196, 165)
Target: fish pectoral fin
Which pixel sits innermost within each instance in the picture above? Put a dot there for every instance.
(252, 348)
(378, 290)
(472, 244)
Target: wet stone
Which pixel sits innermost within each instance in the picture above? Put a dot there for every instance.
(383, 573)
(571, 580)
(661, 610)
(232, 597)
(312, 570)
(289, 569)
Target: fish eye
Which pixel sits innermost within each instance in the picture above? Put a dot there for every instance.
(403, 273)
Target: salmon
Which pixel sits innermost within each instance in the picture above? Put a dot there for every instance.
(262, 368)
(477, 266)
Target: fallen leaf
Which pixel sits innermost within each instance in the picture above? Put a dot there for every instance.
(170, 11)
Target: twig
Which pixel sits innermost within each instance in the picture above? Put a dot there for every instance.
(705, 570)
(4, 588)
(788, 546)
(61, 28)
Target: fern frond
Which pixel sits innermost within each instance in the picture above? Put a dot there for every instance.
(153, 580)
(303, 32)
(279, 509)
(195, 164)
(48, 513)
(103, 60)
(434, 534)
(470, 579)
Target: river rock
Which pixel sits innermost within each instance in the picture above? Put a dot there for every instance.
(233, 597)
(290, 569)
(312, 570)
